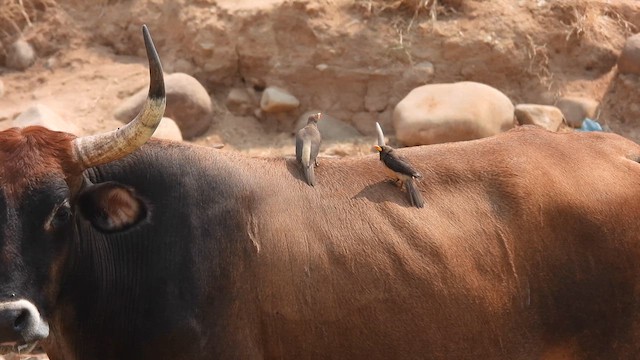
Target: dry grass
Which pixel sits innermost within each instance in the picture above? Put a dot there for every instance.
(378, 6)
(538, 55)
(16, 15)
(593, 22)
(433, 8)
(401, 49)
(43, 23)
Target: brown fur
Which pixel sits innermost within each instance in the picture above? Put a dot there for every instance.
(529, 249)
(529, 242)
(33, 153)
(29, 156)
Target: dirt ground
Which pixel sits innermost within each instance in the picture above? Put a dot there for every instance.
(350, 58)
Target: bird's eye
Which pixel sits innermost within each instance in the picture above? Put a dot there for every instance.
(60, 216)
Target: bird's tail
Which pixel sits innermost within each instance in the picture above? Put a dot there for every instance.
(307, 165)
(310, 174)
(414, 194)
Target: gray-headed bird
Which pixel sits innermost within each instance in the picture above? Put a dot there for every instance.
(400, 170)
(308, 141)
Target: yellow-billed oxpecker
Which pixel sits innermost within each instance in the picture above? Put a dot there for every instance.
(399, 169)
(402, 171)
(308, 141)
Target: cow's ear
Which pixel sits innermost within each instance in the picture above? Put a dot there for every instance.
(111, 206)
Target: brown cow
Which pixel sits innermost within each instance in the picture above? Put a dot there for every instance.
(527, 248)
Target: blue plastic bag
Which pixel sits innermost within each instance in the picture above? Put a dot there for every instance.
(590, 125)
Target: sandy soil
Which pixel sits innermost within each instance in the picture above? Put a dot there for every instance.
(90, 57)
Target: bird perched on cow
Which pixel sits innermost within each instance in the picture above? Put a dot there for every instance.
(399, 169)
(308, 141)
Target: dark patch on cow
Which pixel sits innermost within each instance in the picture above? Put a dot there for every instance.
(111, 206)
(34, 238)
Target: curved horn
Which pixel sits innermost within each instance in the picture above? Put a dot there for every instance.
(103, 148)
(380, 135)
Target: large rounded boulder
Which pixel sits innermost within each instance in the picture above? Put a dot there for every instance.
(188, 104)
(439, 113)
(42, 115)
(168, 130)
(629, 60)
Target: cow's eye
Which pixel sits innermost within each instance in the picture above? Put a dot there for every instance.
(60, 216)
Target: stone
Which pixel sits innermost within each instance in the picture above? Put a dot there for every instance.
(545, 116)
(1, 88)
(183, 66)
(629, 59)
(420, 73)
(51, 63)
(331, 128)
(439, 113)
(20, 55)
(168, 130)
(188, 104)
(365, 122)
(377, 97)
(42, 115)
(240, 102)
(576, 109)
(275, 99)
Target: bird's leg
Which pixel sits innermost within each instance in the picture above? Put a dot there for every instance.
(396, 181)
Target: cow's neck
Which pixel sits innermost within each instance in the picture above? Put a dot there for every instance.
(133, 292)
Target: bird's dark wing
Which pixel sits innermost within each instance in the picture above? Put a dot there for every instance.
(399, 165)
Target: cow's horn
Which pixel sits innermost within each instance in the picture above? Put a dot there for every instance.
(103, 148)
(380, 135)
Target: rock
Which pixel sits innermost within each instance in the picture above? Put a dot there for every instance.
(365, 122)
(629, 59)
(183, 66)
(188, 104)
(42, 115)
(240, 102)
(576, 109)
(439, 113)
(377, 97)
(277, 100)
(420, 73)
(20, 55)
(1, 88)
(331, 128)
(51, 63)
(545, 116)
(168, 129)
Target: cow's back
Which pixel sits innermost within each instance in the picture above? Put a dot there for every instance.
(527, 248)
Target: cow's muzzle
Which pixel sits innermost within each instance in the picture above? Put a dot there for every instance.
(21, 326)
